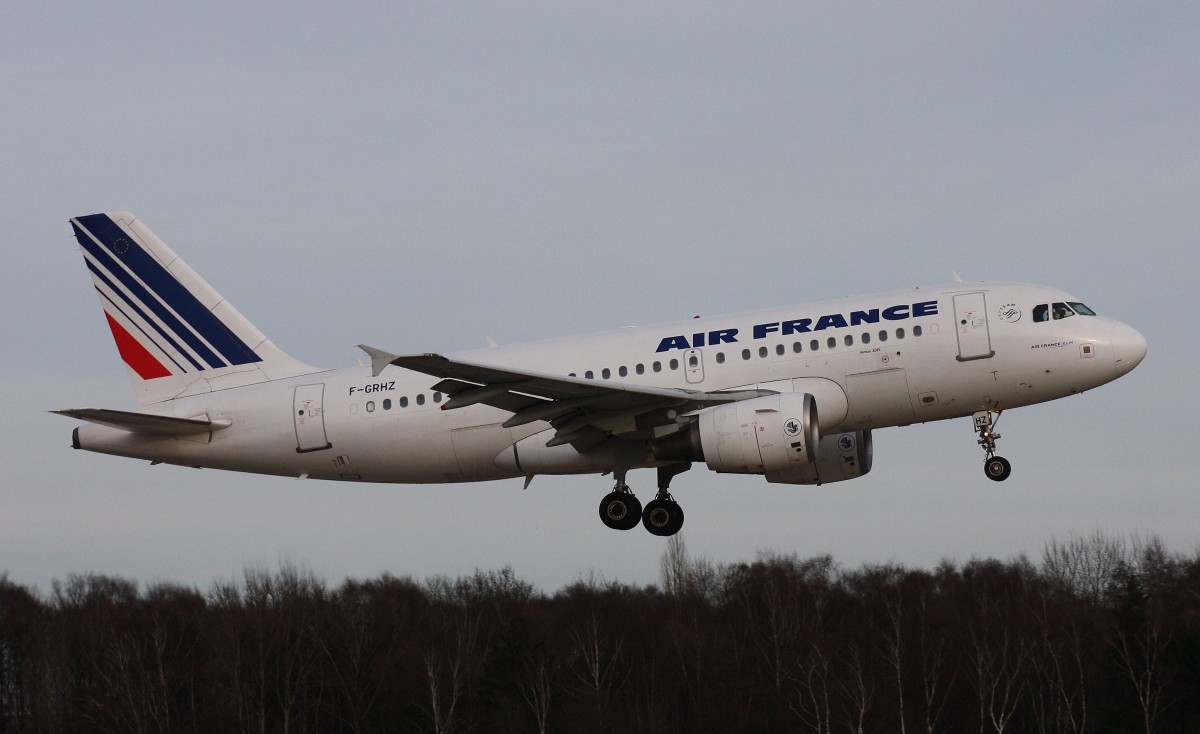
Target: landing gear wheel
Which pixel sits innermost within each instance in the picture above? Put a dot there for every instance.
(663, 517)
(997, 468)
(620, 510)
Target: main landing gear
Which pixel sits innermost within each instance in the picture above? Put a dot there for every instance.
(995, 467)
(663, 516)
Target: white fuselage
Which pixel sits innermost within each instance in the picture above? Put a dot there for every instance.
(871, 362)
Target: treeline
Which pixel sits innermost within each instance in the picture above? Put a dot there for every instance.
(1102, 635)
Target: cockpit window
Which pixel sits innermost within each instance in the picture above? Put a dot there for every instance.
(1041, 313)
(1062, 311)
(1081, 309)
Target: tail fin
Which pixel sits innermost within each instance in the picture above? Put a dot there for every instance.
(176, 334)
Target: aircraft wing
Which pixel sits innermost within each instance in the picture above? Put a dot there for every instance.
(156, 425)
(583, 412)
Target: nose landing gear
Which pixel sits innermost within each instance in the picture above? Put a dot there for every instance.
(996, 468)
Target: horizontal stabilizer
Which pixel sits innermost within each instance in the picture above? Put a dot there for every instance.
(154, 425)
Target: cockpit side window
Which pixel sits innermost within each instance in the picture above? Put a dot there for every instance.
(1062, 311)
(1041, 313)
(1081, 309)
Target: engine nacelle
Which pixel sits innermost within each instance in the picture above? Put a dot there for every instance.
(842, 456)
(773, 433)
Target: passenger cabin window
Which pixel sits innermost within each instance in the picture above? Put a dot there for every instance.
(421, 399)
(624, 371)
(588, 374)
(674, 364)
(796, 347)
(745, 354)
(404, 401)
(720, 357)
(814, 345)
(831, 342)
(387, 403)
(916, 331)
(762, 351)
(779, 349)
(605, 373)
(641, 369)
(658, 366)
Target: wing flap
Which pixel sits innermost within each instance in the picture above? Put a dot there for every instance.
(146, 423)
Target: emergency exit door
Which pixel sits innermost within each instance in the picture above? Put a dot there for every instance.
(309, 414)
(970, 321)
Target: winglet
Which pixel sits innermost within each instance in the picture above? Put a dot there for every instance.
(956, 277)
(379, 358)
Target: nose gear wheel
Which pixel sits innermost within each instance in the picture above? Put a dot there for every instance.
(996, 468)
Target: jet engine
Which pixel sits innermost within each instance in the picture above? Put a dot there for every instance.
(767, 435)
(841, 456)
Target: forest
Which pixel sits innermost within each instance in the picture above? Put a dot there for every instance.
(1101, 634)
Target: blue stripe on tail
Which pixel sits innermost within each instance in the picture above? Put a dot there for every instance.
(169, 290)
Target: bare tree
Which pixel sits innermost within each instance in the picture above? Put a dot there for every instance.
(537, 687)
(597, 657)
(1140, 641)
(449, 663)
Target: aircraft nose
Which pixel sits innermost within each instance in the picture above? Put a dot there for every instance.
(1129, 347)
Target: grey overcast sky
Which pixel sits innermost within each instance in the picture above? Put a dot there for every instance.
(420, 176)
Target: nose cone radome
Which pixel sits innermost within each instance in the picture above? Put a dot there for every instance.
(1129, 348)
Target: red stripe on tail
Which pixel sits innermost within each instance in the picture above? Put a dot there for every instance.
(134, 354)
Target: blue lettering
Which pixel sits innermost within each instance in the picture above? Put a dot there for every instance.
(834, 319)
(761, 330)
(698, 339)
(673, 342)
(896, 313)
(799, 326)
(864, 317)
(722, 336)
(925, 308)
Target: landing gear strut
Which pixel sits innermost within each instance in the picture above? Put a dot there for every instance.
(620, 509)
(995, 467)
(663, 515)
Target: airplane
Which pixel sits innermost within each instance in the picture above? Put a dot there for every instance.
(791, 394)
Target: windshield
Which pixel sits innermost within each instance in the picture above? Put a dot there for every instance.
(1060, 310)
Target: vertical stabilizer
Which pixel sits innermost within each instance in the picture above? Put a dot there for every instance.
(175, 333)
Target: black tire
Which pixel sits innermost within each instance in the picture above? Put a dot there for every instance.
(662, 517)
(620, 510)
(997, 468)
